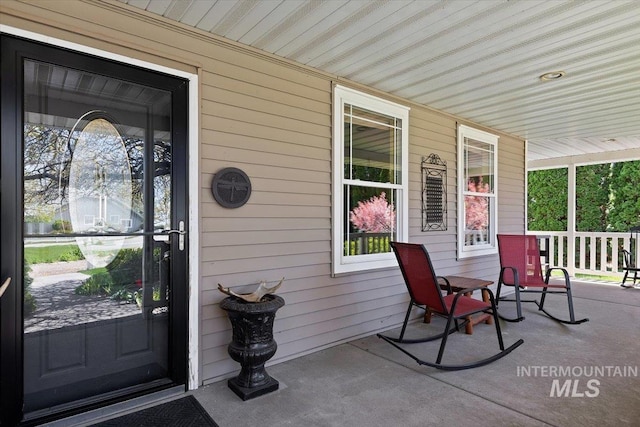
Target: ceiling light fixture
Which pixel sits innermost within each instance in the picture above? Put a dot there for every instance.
(553, 75)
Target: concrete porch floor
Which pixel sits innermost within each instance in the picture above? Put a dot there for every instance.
(367, 382)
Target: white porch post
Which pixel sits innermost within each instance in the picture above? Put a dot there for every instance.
(571, 219)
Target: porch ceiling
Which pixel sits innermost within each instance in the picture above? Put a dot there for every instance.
(480, 60)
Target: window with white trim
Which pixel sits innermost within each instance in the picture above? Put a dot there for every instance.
(477, 192)
(370, 180)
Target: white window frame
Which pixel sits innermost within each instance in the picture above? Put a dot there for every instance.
(491, 247)
(347, 264)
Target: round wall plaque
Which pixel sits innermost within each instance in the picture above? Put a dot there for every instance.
(231, 187)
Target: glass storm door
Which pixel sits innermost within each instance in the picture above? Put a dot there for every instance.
(93, 218)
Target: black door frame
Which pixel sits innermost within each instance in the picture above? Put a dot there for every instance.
(14, 51)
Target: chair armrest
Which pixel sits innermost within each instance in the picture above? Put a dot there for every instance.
(446, 286)
(564, 272)
(516, 277)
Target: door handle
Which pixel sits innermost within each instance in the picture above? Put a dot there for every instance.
(4, 286)
(180, 232)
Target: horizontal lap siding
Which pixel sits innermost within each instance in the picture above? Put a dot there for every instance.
(511, 184)
(434, 133)
(273, 121)
(280, 135)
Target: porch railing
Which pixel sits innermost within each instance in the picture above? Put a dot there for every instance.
(592, 253)
(367, 243)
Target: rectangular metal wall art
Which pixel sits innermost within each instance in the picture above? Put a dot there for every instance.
(434, 193)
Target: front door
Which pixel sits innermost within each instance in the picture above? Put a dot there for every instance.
(92, 235)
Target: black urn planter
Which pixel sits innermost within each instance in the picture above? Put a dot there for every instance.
(252, 344)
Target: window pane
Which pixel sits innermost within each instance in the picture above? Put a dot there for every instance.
(477, 186)
(371, 146)
(370, 220)
(477, 211)
(479, 168)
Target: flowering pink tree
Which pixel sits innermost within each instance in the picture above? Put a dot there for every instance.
(476, 208)
(375, 215)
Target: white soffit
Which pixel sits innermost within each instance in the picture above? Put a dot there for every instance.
(480, 60)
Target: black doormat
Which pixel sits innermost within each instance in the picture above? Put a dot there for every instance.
(183, 412)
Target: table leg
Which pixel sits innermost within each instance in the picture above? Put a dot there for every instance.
(468, 329)
(485, 298)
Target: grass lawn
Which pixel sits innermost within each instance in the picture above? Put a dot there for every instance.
(53, 253)
(93, 271)
(603, 278)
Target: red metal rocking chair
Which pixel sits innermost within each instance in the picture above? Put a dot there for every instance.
(425, 292)
(520, 267)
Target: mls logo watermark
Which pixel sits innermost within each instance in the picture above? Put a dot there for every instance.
(576, 381)
(572, 388)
